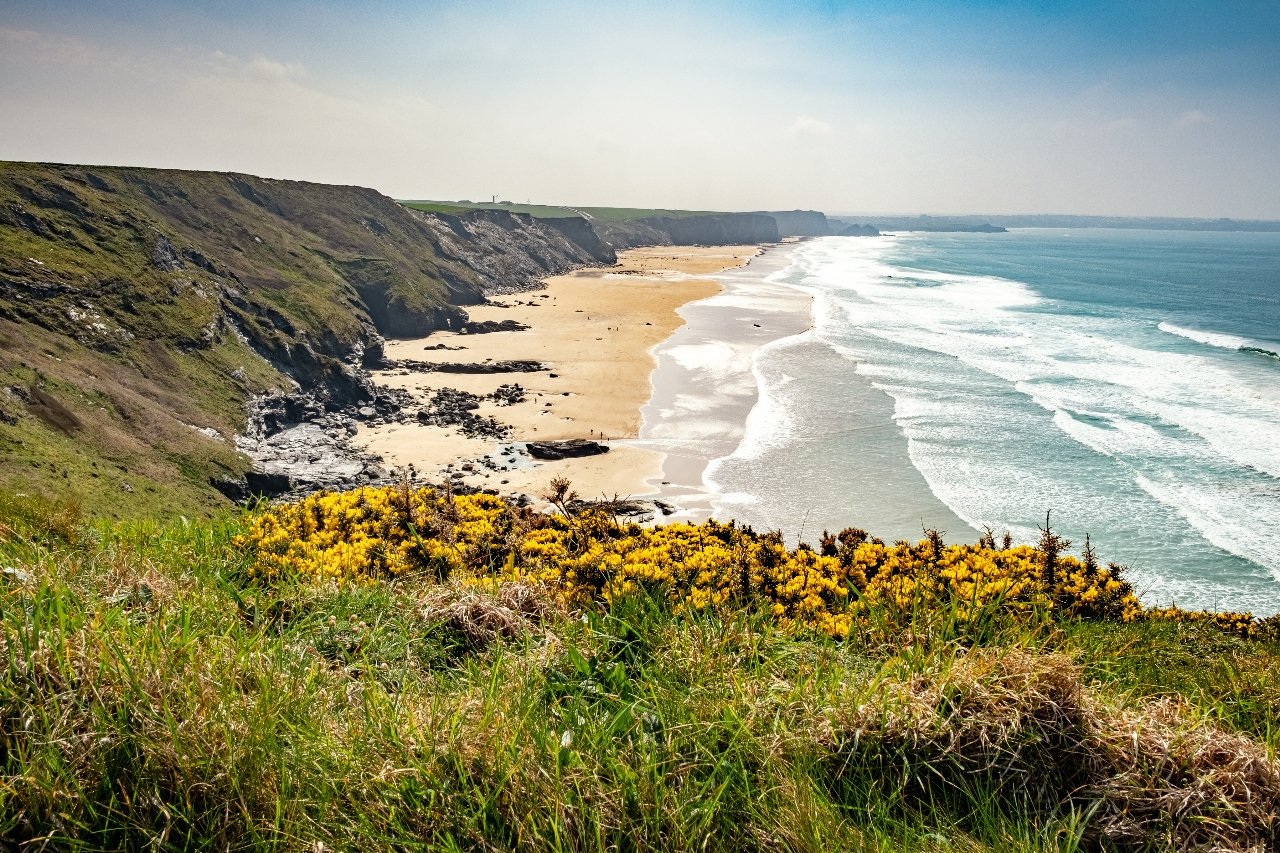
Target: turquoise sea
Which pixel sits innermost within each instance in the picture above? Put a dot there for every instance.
(1126, 381)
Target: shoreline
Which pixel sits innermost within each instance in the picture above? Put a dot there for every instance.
(586, 348)
(753, 405)
(705, 386)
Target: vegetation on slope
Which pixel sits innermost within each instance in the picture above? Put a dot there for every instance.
(554, 211)
(164, 686)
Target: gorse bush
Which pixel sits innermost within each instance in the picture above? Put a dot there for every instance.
(851, 583)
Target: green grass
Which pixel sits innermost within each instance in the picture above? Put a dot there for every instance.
(538, 211)
(153, 696)
(607, 214)
(623, 214)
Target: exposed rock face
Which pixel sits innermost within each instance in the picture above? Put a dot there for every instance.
(303, 458)
(723, 229)
(711, 229)
(800, 223)
(579, 232)
(513, 252)
(565, 449)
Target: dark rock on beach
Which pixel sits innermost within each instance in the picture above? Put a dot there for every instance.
(484, 327)
(573, 447)
(509, 394)
(412, 365)
(450, 407)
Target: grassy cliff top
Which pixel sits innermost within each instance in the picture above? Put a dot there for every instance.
(160, 691)
(608, 214)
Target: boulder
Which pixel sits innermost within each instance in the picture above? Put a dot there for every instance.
(565, 449)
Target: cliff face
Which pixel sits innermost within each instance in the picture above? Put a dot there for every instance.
(712, 229)
(513, 251)
(141, 309)
(578, 231)
(800, 223)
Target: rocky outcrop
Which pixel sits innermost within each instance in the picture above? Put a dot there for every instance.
(574, 447)
(511, 366)
(924, 223)
(449, 407)
(485, 327)
(513, 252)
(858, 230)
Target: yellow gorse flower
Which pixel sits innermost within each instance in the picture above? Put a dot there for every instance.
(372, 534)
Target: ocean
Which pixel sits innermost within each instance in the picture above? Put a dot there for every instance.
(1126, 382)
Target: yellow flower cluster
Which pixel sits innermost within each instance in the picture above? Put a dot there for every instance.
(375, 533)
(1241, 624)
(367, 534)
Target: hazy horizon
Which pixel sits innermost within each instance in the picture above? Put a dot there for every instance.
(1097, 109)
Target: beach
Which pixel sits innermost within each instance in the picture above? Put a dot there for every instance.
(593, 333)
(705, 388)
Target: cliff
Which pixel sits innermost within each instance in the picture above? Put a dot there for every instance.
(142, 309)
(800, 223)
(705, 229)
(513, 251)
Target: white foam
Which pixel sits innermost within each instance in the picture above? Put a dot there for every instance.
(978, 321)
(1241, 522)
(769, 424)
(718, 358)
(1213, 339)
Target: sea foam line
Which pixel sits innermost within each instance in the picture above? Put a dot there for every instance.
(1219, 340)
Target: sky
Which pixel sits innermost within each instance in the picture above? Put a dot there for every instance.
(1140, 108)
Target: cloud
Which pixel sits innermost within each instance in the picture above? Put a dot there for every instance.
(1191, 118)
(807, 126)
(270, 69)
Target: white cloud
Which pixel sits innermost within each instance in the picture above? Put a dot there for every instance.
(808, 126)
(270, 69)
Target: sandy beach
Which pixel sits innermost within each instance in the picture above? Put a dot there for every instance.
(594, 331)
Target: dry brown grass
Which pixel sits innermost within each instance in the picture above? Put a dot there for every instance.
(512, 610)
(1153, 772)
